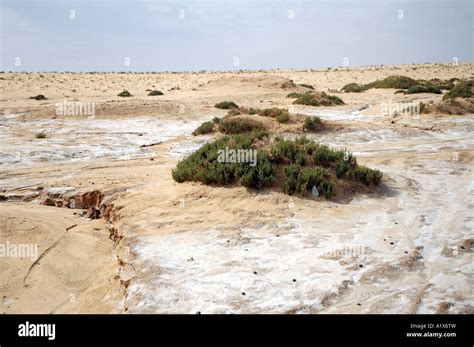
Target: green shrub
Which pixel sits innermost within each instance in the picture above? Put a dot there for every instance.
(440, 84)
(461, 90)
(422, 89)
(261, 175)
(293, 95)
(342, 167)
(325, 156)
(318, 99)
(226, 105)
(300, 157)
(233, 112)
(250, 110)
(124, 93)
(284, 150)
(300, 180)
(273, 112)
(239, 125)
(395, 82)
(353, 88)
(309, 86)
(290, 181)
(450, 106)
(299, 173)
(306, 99)
(310, 148)
(283, 117)
(204, 128)
(203, 165)
(312, 123)
(327, 188)
(155, 92)
(309, 177)
(40, 135)
(367, 175)
(38, 97)
(302, 141)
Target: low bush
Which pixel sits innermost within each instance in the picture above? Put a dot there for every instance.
(154, 93)
(463, 89)
(403, 83)
(272, 112)
(325, 156)
(300, 180)
(367, 175)
(327, 188)
(239, 125)
(283, 117)
(303, 163)
(451, 106)
(226, 105)
(290, 181)
(318, 99)
(441, 84)
(284, 150)
(233, 112)
(293, 95)
(38, 97)
(40, 135)
(353, 88)
(312, 123)
(203, 166)
(309, 86)
(395, 82)
(124, 93)
(309, 177)
(422, 89)
(204, 128)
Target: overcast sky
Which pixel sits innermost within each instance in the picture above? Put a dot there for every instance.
(155, 35)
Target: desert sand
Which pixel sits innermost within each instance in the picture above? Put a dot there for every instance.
(163, 247)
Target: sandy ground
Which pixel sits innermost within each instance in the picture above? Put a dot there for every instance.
(163, 247)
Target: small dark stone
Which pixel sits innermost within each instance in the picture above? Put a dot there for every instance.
(294, 279)
(255, 272)
(243, 293)
(360, 265)
(198, 312)
(358, 304)
(391, 243)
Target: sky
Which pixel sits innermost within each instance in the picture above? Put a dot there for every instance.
(193, 35)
